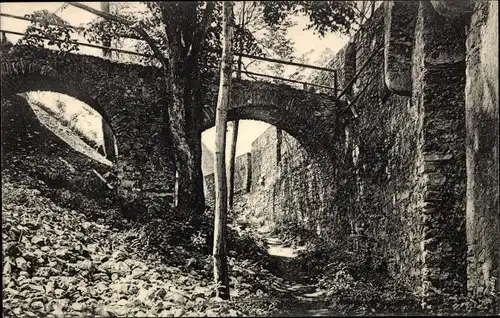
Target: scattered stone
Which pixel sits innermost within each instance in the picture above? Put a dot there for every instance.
(179, 312)
(182, 280)
(119, 287)
(123, 302)
(85, 264)
(37, 305)
(61, 252)
(191, 262)
(37, 240)
(78, 306)
(22, 264)
(137, 273)
(178, 298)
(58, 292)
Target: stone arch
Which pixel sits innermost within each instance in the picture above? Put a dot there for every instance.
(24, 75)
(307, 116)
(310, 133)
(312, 138)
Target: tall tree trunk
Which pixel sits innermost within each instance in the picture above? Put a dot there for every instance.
(232, 164)
(219, 252)
(182, 94)
(236, 125)
(187, 140)
(194, 117)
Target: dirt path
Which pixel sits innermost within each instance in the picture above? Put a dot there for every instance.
(297, 297)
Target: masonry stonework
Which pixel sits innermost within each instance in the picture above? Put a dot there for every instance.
(126, 95)
(400, 165)
(439, 80)
(481, 102)
(408, 157)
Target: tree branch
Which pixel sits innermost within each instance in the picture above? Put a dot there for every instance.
(201, 31)
(158, 54)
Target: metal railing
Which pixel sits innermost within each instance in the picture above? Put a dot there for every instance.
(96, 46)
(305, 84)
(351, 102)
(362, 68)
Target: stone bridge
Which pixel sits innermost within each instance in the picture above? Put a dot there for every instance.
(415, 174)
(126, 95)
(414, 163)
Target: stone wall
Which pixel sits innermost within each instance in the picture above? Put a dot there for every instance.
(298, 192)
(207, 160)
(399, 176)
(243, 174)
(483, 216)
(402, 176)
(438, 92)
(242, 179)
(209, 190)
(287, 193)
(264, 159)
(125, 95)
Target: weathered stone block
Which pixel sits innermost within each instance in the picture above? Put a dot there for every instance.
(453, 9)
(399, 33)
(438, 91)
(482, 108)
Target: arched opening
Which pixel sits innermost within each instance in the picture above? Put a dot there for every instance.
(65, 102)
(75, 122)
(49, 114)
(280, 180)
(47, 141)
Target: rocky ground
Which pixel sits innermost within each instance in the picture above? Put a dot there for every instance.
(70, 250)
(56, 262)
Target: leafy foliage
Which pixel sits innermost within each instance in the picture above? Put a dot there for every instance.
(51, 27)
(272, 17)
(324, 16)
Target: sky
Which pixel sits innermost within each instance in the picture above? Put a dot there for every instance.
(305, 41)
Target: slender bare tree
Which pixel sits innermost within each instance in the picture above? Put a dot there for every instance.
(236, 125)
(219, 254)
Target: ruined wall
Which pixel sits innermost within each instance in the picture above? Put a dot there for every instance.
(243, 174)
(401, 174)
(207, 160)
(209, 190)
(438, 92)
(264, 158)
(399, 151)
(278, 182)
(242, 179)
(299, 192)
(286, 192)
(126, 95)
(483, 216)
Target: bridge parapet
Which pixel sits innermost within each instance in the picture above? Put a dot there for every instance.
(126, 95)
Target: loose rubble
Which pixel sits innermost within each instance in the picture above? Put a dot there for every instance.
(56, 263)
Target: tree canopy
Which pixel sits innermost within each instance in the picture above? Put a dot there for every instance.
(184, 39)
(270, 18)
